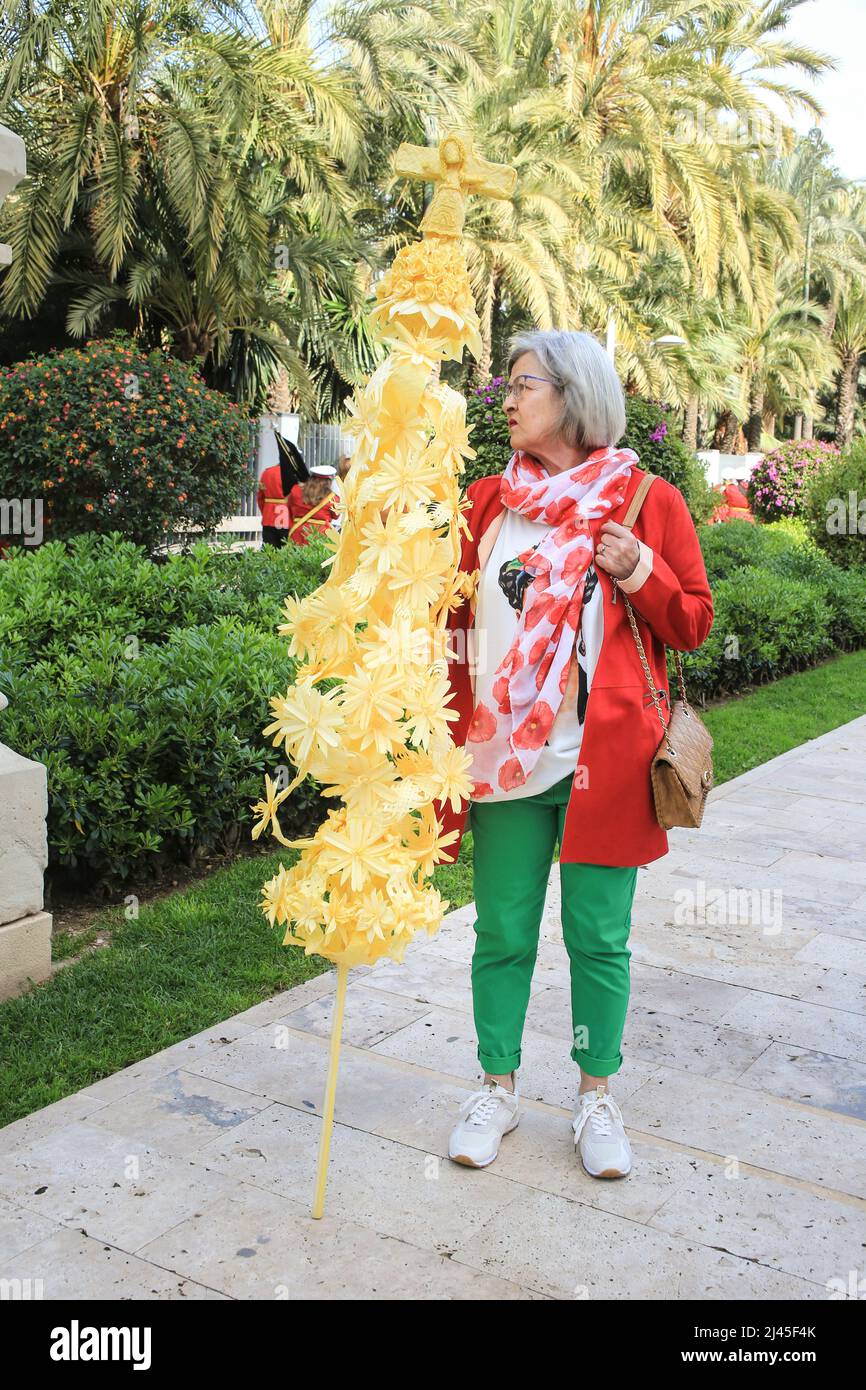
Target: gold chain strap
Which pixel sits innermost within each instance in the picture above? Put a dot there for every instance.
(648, 673)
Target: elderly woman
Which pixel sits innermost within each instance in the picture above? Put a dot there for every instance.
(556, 712)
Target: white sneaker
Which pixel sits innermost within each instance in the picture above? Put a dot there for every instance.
(599, 1136)
(484, 1117)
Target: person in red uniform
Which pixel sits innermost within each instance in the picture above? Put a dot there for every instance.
(734, 504)
(275, 485)
(290, 508)
(311, 504)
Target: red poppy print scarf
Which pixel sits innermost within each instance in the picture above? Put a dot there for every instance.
(505, 742)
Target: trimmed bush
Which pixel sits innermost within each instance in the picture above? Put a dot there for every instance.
(764, 626)
(61, 596)
(835, 508)
(777, 486)
(779, 603)
(144, 689)
(108, 438)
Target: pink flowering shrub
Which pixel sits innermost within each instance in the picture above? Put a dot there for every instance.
(777, 485)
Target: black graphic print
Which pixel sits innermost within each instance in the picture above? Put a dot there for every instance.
(514, 580)
(582, 682)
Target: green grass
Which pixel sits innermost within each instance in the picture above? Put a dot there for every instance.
(750, 729)
(190, 960)
(198, 956)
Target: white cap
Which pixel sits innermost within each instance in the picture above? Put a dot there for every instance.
(324, 470)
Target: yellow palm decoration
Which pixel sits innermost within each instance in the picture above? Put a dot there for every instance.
(378, 738)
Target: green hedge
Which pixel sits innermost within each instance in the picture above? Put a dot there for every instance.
(61, 596)
(780, 605)
(835, 508)
(144, 689)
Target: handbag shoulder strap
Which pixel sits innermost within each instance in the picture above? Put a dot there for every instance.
(628, 520)
(636, 502)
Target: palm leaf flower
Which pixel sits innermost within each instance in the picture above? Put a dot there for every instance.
(378, 737)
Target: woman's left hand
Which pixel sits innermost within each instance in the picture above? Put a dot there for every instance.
(617, 551)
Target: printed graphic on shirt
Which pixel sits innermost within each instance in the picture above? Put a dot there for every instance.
(583, 682)
(514, 580)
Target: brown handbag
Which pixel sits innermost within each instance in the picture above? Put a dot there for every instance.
(682, 768)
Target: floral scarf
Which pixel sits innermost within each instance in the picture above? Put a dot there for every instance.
(505, 742)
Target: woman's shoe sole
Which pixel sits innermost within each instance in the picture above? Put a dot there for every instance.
(608, 1172)
(470, 1162)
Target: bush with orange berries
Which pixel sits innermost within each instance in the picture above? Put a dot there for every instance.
(113, 439)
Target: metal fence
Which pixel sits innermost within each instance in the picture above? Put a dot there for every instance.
(247, 504)
(323, 443)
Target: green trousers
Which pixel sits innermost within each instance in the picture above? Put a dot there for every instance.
(513, 845)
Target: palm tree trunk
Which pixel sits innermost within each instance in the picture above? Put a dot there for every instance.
(280, 400)
(827, 329)
(755, 422)
(727, 426)
(798, 425)
(690, 423)
(846, 397)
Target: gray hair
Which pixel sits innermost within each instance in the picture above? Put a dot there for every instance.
(593, 412)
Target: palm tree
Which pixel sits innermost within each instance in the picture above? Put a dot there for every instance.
(182, 182)
(849, 341)
(834, 242)
(518, 252)
(782, 351)
(595, 102)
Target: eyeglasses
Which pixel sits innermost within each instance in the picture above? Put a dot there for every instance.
(517, 387)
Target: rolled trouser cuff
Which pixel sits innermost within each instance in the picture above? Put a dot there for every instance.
(596, 1066)
(499, 1066)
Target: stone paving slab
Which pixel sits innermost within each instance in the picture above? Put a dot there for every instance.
(190, 1174)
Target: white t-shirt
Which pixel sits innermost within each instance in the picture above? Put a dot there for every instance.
(499, 601)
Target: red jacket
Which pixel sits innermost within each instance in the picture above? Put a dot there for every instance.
(611, 815)
(272, 502)
(321, 519)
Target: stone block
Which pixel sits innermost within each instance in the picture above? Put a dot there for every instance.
(25, 953)
(23, 839)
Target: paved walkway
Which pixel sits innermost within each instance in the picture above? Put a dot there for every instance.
(190, 1175)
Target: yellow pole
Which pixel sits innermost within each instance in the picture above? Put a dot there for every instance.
(330, 1090)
